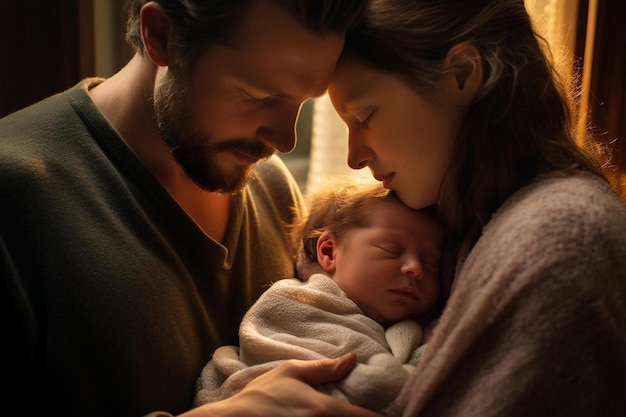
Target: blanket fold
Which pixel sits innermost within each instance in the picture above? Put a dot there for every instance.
(314, 320)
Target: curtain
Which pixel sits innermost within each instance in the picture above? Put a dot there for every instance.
(329, 146)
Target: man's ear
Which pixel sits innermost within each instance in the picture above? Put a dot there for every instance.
(326, 246)
(155, 31)
(465, 69)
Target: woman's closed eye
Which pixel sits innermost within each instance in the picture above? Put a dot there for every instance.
(366, 119)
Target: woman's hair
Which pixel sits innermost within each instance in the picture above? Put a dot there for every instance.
(340, 205)
(200, 23)
(521, 123)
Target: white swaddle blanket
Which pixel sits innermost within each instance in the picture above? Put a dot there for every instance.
(314, 320)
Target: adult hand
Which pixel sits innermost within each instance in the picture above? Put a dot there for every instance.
(306, 267)
(286, 391)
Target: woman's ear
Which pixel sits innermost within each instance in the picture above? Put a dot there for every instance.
(465, 69)
(326, 246)
(155, 31)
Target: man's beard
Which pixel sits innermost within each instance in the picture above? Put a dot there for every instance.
(192, 149)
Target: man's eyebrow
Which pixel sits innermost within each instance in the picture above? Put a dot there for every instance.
(265, 93)
(270, 93)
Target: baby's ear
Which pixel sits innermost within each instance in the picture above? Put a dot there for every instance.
(465, 69)
(326, 247)
(155, 32)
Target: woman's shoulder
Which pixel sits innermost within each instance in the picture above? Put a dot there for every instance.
(564, 229)
(560, 201)
(557, 218)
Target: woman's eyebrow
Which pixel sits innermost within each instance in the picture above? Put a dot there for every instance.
(352, 102)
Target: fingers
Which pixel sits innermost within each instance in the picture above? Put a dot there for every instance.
(317, 372)
(343, 409)
(321, 371)
(286, 391)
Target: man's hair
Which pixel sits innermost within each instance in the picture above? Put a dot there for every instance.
(200, 23)
(342, 204)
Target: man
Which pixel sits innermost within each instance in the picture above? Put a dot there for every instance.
(136, 225)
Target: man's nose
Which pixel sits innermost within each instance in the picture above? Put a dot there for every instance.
(279, 128)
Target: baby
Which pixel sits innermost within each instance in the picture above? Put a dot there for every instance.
(381, 274)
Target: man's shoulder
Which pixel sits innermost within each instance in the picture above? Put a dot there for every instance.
(40, 139)
(43, 118)
(273, 179)
(273, 170)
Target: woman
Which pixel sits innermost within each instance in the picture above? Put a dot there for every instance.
(455, 103)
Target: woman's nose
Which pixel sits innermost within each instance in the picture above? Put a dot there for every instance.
(359, 155)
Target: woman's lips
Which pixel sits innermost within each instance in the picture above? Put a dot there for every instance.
(386, 179)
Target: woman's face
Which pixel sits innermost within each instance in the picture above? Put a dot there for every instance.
(404, 137)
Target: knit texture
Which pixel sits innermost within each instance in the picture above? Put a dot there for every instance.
(536, 322)
(314, 320)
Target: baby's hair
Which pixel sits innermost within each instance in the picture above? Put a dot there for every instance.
(341, 204)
